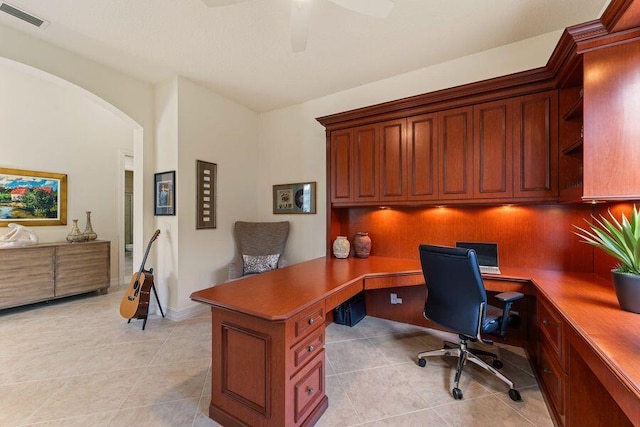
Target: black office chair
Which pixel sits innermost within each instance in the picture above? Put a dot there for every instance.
(457, 301)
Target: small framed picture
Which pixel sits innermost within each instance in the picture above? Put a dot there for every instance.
(164, 196)
(299, 198)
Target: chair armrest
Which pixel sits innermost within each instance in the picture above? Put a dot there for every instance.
(236, 268)
(509, 296)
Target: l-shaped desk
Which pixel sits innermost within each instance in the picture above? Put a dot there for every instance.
(268, 334)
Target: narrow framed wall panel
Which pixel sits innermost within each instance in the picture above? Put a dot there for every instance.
(206, 194)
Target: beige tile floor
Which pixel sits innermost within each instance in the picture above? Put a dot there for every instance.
(76, 362)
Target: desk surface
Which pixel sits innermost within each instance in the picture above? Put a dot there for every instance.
(587, 301)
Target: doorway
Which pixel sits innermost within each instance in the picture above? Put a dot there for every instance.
(128, 223)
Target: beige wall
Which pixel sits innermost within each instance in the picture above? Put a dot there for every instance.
(46, 127)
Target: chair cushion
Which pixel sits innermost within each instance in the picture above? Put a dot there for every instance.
(254, 264)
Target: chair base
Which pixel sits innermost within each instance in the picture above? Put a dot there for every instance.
(464, 354)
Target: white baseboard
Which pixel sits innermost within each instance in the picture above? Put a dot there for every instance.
(187, 313)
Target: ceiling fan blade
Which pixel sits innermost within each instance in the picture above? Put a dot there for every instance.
(375, 8)
(217, 3)
(300, 14)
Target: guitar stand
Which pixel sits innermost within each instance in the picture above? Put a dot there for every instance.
(143, 316)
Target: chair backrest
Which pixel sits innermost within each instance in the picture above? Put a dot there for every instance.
(261, 238)
(456, 297)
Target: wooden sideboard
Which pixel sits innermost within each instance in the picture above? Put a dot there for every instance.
(47, 271)
(268, 361)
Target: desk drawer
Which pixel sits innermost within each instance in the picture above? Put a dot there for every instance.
(308, 348)
(553, 377)
(307, 321)
(550, 324)
(414, 279)
(333, 300)
(308, 388)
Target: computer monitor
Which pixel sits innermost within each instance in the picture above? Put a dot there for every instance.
(487, 254)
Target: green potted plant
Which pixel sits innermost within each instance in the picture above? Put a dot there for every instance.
(621, 240)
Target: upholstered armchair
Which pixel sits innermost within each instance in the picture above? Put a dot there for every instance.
(260, 247)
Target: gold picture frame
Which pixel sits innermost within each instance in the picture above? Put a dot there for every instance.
(32, 198)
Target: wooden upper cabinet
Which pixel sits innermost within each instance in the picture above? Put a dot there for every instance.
(611, 122)
(535, 147)
(340, 168)
(393, 160)
(455, 151)
(502, 151)
(493, 149)
(422, 157)
(365, 164)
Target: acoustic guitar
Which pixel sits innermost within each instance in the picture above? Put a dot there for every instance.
(136, 299)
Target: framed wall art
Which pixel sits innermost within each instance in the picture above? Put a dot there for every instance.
(299, 198)
(32, 198)
(206, 177)
(164, 195)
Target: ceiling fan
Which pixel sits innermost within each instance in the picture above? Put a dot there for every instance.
(301, 11)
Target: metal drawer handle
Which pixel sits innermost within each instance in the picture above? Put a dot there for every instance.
(311, 348)
(311, 321)
(547, 371)
(310, 391)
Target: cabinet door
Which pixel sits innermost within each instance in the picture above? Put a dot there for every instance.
(455, 151)
(493, 149)
(340, 165)
(393, 160)
(422, 155)
(82, 268)
(611, 125)
(365, 164)
(535, 151)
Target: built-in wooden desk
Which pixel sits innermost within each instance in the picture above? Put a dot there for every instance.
(268, 339)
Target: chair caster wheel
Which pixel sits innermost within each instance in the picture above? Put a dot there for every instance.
(422, 362)
(497, 364)
(515, 395)
(457, 393)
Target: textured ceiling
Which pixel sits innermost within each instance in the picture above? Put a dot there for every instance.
(243, 51)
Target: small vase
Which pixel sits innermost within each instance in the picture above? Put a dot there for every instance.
(362, 244)
(75, 235)
(89, 234)
(341, 247)
(627, 288)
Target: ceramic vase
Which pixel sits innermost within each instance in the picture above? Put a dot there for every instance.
(89, 234)
(362, 244)
(75, 235)
(341, 247)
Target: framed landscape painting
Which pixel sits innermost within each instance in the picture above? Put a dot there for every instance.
(32, 198)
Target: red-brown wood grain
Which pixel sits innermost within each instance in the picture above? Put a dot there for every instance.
(365, 164)
(528, 236)
(611, 125)
(492, 149)
(535, 146)
(393, 160)
(455, 148)
(422, 157)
